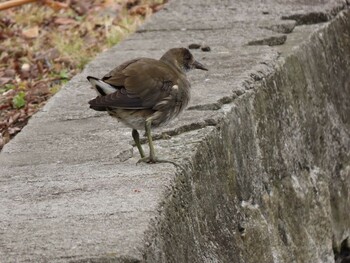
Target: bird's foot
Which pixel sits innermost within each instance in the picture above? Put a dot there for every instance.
(157, 160)
(149, 159)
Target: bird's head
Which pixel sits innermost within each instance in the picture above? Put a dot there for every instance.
(182, 59)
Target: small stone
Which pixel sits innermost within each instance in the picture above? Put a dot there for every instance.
(194, 46)
(205, 48)
(25, 67)
(265, 12)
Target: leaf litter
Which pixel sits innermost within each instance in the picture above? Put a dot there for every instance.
(43, 45)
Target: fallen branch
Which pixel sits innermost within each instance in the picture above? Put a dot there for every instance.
(51, 3)
(13, 3)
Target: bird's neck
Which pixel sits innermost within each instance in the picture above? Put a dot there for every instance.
(173, 64)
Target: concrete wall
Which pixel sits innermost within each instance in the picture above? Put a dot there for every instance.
(271, 182)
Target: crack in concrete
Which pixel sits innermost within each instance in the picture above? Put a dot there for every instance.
(83, 118)
(269, 41)
(316, 17)
(285, 28)
(182, 129)
(206, 107)
(309, 18)
(216, 105)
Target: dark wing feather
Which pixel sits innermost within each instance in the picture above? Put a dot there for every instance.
(118, 99)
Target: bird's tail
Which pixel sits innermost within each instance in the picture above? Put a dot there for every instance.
(102, 88)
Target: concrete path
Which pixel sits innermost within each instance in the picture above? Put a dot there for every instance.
(70, 189)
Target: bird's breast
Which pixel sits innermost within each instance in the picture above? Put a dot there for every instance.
(171, 105)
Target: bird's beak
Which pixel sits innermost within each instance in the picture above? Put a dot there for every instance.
(198, 65)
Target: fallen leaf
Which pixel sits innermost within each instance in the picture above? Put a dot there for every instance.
(10, 73)
(14, 118)
(56, 5)
(140, 10)
(131, 3)
(40, 89)
(64, 21)
(13, 130)
(4, 138)
(32, 32)
(9, 93)
(156, 7)
(4, 80)
(4, 106)
(111, 6)
(80, 7)
(108, 3)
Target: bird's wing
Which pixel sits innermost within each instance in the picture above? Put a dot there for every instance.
(141, 83)
(116, 77)
(118, 99)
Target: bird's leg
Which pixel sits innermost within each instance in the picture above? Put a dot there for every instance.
(152, 157)
(136, 136)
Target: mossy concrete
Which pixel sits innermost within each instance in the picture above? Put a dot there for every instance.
(271, 182)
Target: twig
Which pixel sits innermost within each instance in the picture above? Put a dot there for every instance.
(51, 3)
(13, 3)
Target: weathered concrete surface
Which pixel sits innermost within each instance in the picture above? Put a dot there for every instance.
(265, 141)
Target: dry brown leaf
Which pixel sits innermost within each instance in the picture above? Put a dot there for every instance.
(32, 32)
(10, 73)
(80, 7)
(111, 6)
(4, 81)
(107, 3)
(141, 10)
(13, 130)
(156, 7)
(64, 21)
(131, 3)
(13, 118)
(5, 138)
(56, 5)
(4, 107)
(9, 93)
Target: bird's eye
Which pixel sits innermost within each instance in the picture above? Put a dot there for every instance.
(187, 56)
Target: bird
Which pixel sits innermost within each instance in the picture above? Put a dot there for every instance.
(146, 93)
